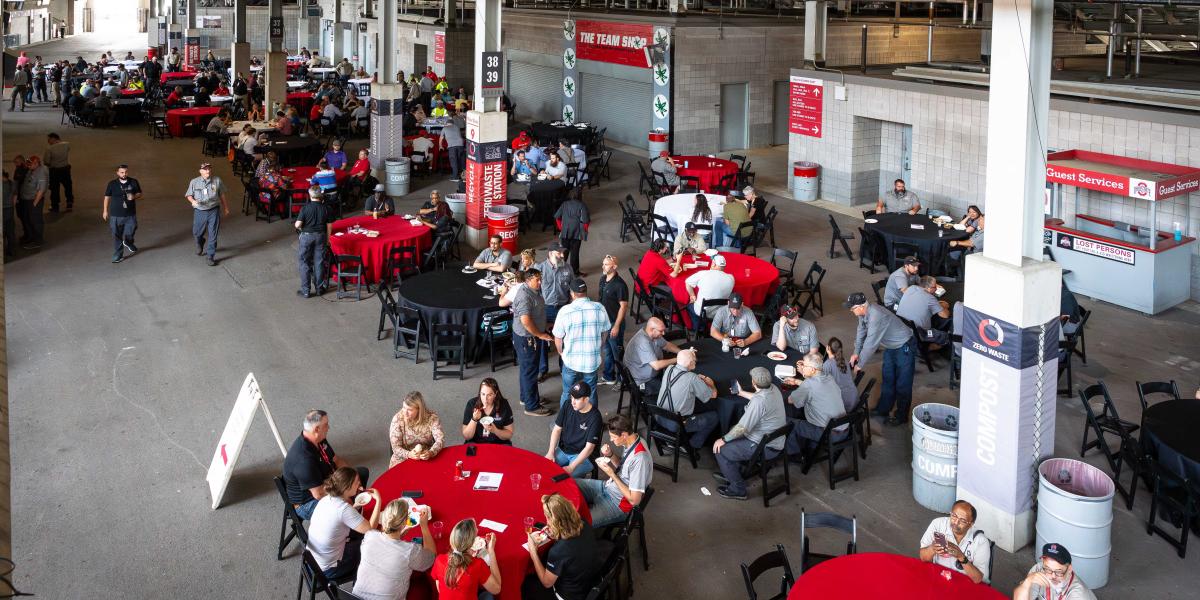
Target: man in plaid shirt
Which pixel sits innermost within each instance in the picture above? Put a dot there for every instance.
(579, 334)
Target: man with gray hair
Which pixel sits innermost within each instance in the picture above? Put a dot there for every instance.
(764, 414)
(682, 388)
(309, 461)
(821, 399)
(879, 328)
(920, 304)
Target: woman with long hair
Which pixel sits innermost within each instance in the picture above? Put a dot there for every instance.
(488, 419)
(572, 564)
(701, 213)
(330, 539)
(460, 572)
(415, 432)
(388, 560)
(973, 221)
(835, 366)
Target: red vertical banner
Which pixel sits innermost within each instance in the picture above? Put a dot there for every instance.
(439, 47)
(486, 181)
(806, 106)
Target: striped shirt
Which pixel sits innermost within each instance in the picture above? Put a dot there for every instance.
(582, 326)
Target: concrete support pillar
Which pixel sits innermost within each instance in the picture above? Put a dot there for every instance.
(191, 14)
(815, 18)
(1011, 327)
(239, 52)
(487, 133)
(387, 124)
(387, 42)
(487, 39)
(449, 13)
(338, 47)
(275, 71)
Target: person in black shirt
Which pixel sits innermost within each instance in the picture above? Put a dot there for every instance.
(576, 432)
(487, 418)
(309, 461)
(572, 565)
(614, 296)
(379, 204)
(314, 224)
(120, 211)
(201, 98)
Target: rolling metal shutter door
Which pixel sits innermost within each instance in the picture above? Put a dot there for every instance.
(621, 105)
(536, 90)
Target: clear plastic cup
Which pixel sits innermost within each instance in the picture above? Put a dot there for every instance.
(535, 481)
(437, 527)
(529, 521)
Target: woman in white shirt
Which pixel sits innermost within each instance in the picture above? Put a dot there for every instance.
(388, 561)
(330, 539)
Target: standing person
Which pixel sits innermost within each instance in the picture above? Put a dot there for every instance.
(453, 138)
(120, 210)
(39, 82)
(764, 414)
(314, 224)
(10, 219)
(614, 297)
(20, 83)
(557, 278)
(206, 194)
(529, 339)
(20, 170)
(58, 159)
(32, 201)
(54, 78)
(579, 334)
(878, 327)
(572, 564)
(460, 573)
(573, 218)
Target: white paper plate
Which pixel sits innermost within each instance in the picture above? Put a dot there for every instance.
(872, 220)
(776, 355)
(960, 227)
(468, 269)
(362, 499)
(340, 233)
(486, 421)
(711, 252)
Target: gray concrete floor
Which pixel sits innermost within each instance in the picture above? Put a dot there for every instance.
(121, 378)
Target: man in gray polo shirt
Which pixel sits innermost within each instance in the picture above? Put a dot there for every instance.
(821, 399)
(206, 193)
(899, 200)
(682, 388)
(529, 340)
(878, 327)
(735, 321)
(900, 280)
(644, 356)
(790, 331)
(920, 304)
(764, 414)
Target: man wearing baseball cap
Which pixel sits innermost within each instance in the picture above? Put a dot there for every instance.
(713, 284)
(899, 281)
(379, 204)
(1053, 577)
(735, 321)
(878, 327)
(579, 334)
(790, 331)
(690, 241)
(206, 194)
(665, 165)
(576, 432)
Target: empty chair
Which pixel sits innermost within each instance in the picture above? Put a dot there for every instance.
(1181, 497)
(409, 330)
(740, 160)
(870, 250)
(349, 271)
(663, 229)
(401, 263)
(785, 262)
(808, 293)
(448, 342)
(1106, 421)
(1131, 457)
(666, 440)
(1167, 388)
(847, 525)
(775, 559)
(838, 236)
(878, 287)
(901, 251)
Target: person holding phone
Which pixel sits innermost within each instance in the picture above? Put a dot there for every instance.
(954, 542)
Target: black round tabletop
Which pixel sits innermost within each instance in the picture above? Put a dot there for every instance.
(294, 150)
(723, 368)
(449, 296)
(931, 249)
(573, 134)
(1174, 424)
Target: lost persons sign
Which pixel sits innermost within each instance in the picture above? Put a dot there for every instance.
(616, 43)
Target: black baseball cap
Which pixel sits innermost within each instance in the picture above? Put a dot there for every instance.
(1056, 552)
(581, 389)
(735, 300)
(855, 299)
(555, 246)
(912, 260)
(579, 286)
(690, 226)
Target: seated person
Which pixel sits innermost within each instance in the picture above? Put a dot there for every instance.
(282, 124)
(379, 204)
(576, 432)
(644, 356)
(572, 565)
(836, 367)
(330, 110)
(1053, 572)
(555, 169)
(362, 165)
(488, 418)
(335, 157)
(415, 432)
(314, 114)
(764, 414)
(419, 113)
(900, 280)
(460, 574)
(690, 242)
(422, 150)
(919, 304)
(335, 521)
(111, 89)
(218, 123)
(537, 155)
(654, 268)
(310, 460)
(522, 169)
(222, 89)
(665, 165)
(174, 99)
(361, 111)
(898, 200)
(325, 177)
(136, 83)
(521, 142)
(495, 257)
(436, 213)
(818, 394)
(790, 331)
(201, 98)
(410, 121)
(439, 110)
(628, 478)
(708, 284)
(682, 388)
(388, 560)
(256, 112)
(736, 322)
(955, 543)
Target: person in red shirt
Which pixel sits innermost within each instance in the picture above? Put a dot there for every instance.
(175, 98)
(654, 269)
(460, 573)
(362, 166)
(314, 114)
(521, 142)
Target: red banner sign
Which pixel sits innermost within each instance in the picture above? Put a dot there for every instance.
(617, 43)
(439, 47)
(1159, 181)
(806, 106)
(487, 186)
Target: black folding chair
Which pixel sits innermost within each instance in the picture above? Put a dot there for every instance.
(662, 229)
(497, 336)
(349, 271)
(1131, 456)
(1181, 497)
(292, 526)
(1167, 388)
(785, 262)
(760, 465)
(825, 520)
(311, 574)
(409, 330)
(705, 323)
(838, 236)
(776, 559)
(1107, 421)
(667, 441)
(401, 263)
(808, 294)
(448, 341)
(878, 287)
(870, 248)
(829, 450)
(630, 221)
(862, 424)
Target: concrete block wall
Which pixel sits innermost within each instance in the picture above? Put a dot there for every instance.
(257, 27)
(949, 153)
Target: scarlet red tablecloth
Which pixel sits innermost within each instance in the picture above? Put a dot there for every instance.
(301, 100)
(755, 288)
(129, 93)
(200, 116)
(394, 231)
(452, 501)
(708, 171)
(878, 575)
(181, 75)
(300, 177)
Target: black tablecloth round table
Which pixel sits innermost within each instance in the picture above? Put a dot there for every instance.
(295, 151)
(897, 227)
(548, 134)
(1169, 431)
(544, 197)
(723, 368)
(449, 296)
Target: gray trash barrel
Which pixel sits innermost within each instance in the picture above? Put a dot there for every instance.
(1075, 509)
(935, 456)
(458, 206)
(397, 171)
(806, 178)
(659, 140)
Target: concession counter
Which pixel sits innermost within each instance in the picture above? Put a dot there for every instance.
(1132, 265)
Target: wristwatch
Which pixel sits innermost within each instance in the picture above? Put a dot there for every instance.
(958, 564)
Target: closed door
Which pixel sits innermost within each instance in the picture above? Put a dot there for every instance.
(906, 153)
(734, 105)
(779, 135)
(420, 58)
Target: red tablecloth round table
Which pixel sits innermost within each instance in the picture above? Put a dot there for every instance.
(301, 100)
(452, 501)
(754, 278)
(300, 177)
(177, 75)
(197, 116)
(394, 231)
(878, 575)
(708, 171)
(128, 93)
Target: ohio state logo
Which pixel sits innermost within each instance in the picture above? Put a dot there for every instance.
(1142, 189)
(991, 333)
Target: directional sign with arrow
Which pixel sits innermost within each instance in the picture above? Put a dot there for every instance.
(805, 108)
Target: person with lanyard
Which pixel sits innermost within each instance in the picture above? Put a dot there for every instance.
(495, 257)
(529, 340)
(314, 224)
(954, 542)
(572, 565)
(735, 322)
(614, 296)
(309, 461)
(791, 331)
(206, 194)
(682, 388)
(1053, 578)
(120, 211)
(879, 328)
(488, 418)
(899, 200)
(379, 204)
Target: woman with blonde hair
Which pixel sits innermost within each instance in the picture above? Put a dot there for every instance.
(460, 572)
(334, 522)
(388, 561)
(572, 565)
(415, 432)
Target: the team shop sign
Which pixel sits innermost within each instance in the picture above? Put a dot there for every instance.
(616, 43)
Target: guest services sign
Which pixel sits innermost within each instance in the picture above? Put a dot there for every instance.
(617, 43)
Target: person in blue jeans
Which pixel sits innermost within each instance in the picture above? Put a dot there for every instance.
(629, 476)
(879, 328)
(576, 432)
(614, 296)
(529, 339)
